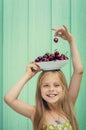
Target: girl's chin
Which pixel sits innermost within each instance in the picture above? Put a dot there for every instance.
(53, 102)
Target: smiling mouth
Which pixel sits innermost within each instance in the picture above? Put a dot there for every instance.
(51, 95)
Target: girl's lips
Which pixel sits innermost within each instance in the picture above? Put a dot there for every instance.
(51, 95)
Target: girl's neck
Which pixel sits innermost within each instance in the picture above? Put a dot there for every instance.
(55, 107)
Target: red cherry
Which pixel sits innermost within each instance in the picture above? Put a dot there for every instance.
(55, 40)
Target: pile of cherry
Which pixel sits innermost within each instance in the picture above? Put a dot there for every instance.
(51, 57)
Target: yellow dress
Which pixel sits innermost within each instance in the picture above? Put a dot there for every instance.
(63, 126)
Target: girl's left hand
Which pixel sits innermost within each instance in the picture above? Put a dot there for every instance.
(32, 69)
(63, 33)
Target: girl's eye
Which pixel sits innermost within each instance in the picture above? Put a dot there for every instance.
(56, 85)
(46, 85)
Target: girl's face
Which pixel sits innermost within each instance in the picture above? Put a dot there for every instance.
(51, 90)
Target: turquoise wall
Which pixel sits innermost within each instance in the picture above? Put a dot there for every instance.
(25, 33)
(1, 65)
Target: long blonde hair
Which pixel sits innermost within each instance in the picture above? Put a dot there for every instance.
(66, 104)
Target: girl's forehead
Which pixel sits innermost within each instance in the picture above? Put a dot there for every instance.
(50, 76)
(51, 73)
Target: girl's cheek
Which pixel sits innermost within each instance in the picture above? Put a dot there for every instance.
(60, 89)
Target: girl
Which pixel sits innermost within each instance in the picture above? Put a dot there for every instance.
(54, 99)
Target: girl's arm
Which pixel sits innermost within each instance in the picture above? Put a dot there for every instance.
(77, 71)
(11, 98)
(77, 64)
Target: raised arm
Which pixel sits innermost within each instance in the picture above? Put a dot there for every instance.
(77, 71)
(11, 98)
(77, 64)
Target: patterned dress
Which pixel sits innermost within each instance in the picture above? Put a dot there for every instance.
(63, 126)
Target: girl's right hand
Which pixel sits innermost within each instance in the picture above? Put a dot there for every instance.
(63, 33)
(32, 69)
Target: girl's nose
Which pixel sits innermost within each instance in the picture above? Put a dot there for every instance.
(51, 88)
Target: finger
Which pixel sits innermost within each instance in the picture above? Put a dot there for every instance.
(57, 29)
(65, 27)
(33, 69)
(36, 67)
(54, 29)
(32, 62)
(60, 35)
(59, 32)
(31, 65)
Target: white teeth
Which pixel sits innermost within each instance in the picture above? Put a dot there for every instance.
(51, 95)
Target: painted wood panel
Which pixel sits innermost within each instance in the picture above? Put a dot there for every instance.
(60, 17)
(1, 65)
(27, 34)
(15, 56)
(39, 35)
(78, 25)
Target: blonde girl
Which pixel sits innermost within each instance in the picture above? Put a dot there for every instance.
(55, 100)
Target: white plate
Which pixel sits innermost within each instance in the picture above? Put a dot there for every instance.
(52, 65)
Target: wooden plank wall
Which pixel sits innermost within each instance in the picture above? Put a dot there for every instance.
(25, 33)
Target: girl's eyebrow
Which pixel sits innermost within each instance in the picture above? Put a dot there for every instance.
(56, 83)
(45, 83)
(49, 83)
